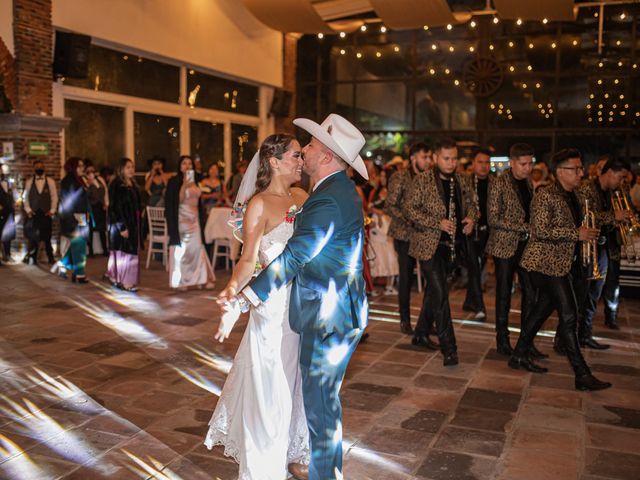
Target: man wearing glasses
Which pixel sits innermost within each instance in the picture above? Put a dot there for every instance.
(553, 260)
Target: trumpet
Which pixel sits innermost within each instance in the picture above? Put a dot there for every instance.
(628, 227)
(590, 247)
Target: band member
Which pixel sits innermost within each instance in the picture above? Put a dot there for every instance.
(508, 217)
(554, 259)
(476, 242)
(598, 192)
(40, 200)
(400, 229)
(442, 212)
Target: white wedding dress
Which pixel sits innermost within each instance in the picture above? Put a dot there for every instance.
(260, 416)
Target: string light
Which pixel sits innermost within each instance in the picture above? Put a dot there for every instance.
(378, 54)
(510, 117)
(531, 45)
(492, 106)
(383, 29)
(588, 106)
(321, 36)
(432, 71)
(538, 85)
(447, 71)
(512, 68)
(343, 51)
(600, 64)
(363, 28)
(434, 46)
(575, 43)
(592, 96)
(472, 49)
(616, 81)
(426, 27)
(519, 22)
(472, 24)
(623, 16)
(451, 49)
(491, 47)
(553, 45)
(620, 63)
(456, 82)
(524, 85)
(545, 21)
(635, 65)
(618, 43)
(606, 95)
(621, 96)
(449, 26)
(342, 34)
(599, 81)
(359, 55)
(529, 67)
(511, 44)
(396, 49)
(495, 20)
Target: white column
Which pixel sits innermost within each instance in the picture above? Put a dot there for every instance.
(267, 122)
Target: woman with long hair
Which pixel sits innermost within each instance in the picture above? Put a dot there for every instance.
(74, 212)
(98, 194)
(259, 418)
(124, 228)
(188, 261)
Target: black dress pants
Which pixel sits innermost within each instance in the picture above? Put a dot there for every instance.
(406, 265)
(40, 231)
(476, 260)
(556, 293)
(436, 302)
(505, 268)
(595, 290)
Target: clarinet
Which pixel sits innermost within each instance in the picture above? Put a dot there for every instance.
(452, 217)
(477, 201)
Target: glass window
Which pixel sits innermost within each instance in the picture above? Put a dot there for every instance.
(221, 94)
(95, 132)
(118, 72)
(383, 106)
(441, 104)
(156, 135)
(244, 143)
(207, 142)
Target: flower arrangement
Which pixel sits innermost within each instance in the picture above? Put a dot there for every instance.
(290, 216)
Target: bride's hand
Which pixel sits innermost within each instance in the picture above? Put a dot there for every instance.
(226, 294)
(230, 314)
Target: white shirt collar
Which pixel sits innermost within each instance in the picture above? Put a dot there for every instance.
(323, 179)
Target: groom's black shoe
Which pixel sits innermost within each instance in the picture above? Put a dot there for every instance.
(299, 471)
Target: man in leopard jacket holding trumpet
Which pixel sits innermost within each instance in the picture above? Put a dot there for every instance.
(441, 209)
(553, 258)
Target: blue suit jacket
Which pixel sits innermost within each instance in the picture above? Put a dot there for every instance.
(323, 260)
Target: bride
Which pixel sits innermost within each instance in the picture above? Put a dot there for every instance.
(260, 416)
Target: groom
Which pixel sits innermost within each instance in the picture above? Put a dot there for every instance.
(328, 306)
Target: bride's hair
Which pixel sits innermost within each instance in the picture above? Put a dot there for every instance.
(274, 145)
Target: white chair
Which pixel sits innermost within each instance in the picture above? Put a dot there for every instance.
(222, 248)
(219, 232)
(158, 234)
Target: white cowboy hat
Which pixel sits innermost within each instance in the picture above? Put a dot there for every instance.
(340, 136)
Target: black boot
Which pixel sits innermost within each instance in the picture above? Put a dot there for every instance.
(611, 321)
(503, 346)
(426, 342)
(591, 342)
(450, 359)
(517, 363)
(405, 327)
(589, 383)
(558, 346)
(536, 354)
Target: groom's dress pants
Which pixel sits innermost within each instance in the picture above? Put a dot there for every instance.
(323, 362)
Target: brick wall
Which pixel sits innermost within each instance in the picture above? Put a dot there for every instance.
(33, 40)
(7, 70)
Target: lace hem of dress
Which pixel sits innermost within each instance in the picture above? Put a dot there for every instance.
(298, 451)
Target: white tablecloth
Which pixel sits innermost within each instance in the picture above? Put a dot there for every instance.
(217, 227)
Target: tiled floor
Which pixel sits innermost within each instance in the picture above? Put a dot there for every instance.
(102, 384)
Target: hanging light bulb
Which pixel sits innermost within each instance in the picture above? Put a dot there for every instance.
(456, 82)
(426, 27)
(592, 96)
(383, 29)
(495, 20)
(531, 45)
(511, 44)
(623, 16)
(512, 68)
(449, 26)
(575, 43)
(545, 21)
(538, 85)
(321, 36)
(472, 24)
(396, 49)
(599, 81)
(343, 51)
(491, 47)
(616, 81)
(447, 71)
(600, 64)
(529, 67)
(359, 55)
(618, 43)
(524, 85)
(492, 106)
(606, 95)
(553, 45)
(434, 46)
(342, 34)
(519, 22)
(451, 49)
(363, 28)
(432, 71)
(472, 49)
(378, 54)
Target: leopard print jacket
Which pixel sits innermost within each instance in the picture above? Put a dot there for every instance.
(505, 216)
(551, 248)
(399, 183)
(425, 208)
